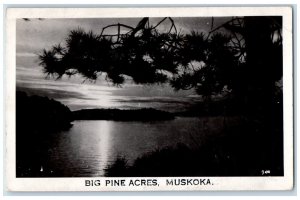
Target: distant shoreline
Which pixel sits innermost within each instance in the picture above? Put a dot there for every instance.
(143, 114)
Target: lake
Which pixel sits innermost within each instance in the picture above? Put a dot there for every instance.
(90, 146)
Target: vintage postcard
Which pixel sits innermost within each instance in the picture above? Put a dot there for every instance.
(149, 99)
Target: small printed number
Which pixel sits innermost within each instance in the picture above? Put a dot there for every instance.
(265, 172)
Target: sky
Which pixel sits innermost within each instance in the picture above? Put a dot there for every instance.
(33, 35)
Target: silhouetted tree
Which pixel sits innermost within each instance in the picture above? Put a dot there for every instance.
(243, 57)
(209, 62)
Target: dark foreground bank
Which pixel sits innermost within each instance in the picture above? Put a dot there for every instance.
(37, 118)
(238, 152)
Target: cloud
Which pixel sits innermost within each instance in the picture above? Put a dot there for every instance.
(51, 93)
(25, 54)
(169, 100)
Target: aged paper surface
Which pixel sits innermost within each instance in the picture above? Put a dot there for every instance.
(149, 99)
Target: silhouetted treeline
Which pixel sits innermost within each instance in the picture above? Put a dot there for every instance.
(36, 112)
(144, 114)
(201, 109)
(37, 118)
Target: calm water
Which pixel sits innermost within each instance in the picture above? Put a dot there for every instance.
(89, 146)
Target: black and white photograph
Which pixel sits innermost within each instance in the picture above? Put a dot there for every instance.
(150, 96)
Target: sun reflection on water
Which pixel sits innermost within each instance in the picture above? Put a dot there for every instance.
(105, 144)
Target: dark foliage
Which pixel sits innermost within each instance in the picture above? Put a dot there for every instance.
(240, 150)
(41, 113)
(251, 48)
(36, 119)
(224, 107)
(118, 169)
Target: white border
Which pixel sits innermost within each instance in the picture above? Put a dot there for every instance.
(77, 184)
